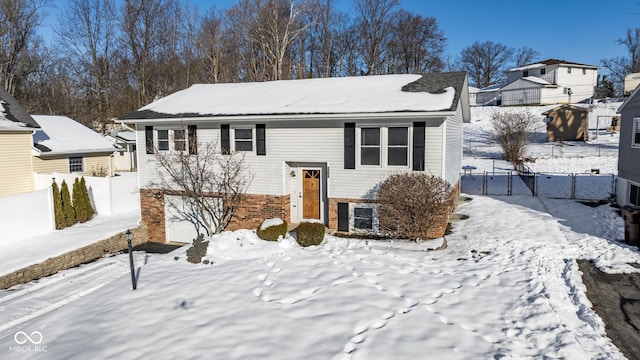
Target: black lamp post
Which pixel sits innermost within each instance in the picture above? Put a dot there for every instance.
(129, 236)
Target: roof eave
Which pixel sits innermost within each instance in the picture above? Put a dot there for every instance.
(73, 152)
(296, 117)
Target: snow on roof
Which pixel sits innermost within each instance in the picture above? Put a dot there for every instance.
(63, 135)
(127, 135)
(5, 123)
(493, 87)
(361, 94)
(536, 80)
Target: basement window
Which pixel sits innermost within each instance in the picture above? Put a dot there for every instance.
(363, 218)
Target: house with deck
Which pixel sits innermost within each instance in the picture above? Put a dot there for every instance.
(549, 82)
(16, 127)
(316, 148)
(628, 187)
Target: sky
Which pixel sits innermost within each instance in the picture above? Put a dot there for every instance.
(572, 30)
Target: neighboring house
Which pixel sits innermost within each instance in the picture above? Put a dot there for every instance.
(316, 148)
(64, 145)
(567, 123)
(473, 92)
(489, 96)
(16, 127)
(125, 159)
(628, 187)
(549, 82)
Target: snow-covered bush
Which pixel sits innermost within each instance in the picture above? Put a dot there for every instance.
(413, 206)
(272, 229)
(310, 233)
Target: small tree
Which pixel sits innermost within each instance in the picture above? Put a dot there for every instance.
(513, 132)
(67, 205)
(211, 184)
(57, 206)
(86, 200)
(76, 196)
(413, 205)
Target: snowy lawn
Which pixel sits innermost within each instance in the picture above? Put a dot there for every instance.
(506, 286)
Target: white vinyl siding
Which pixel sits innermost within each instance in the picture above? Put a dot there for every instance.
(310, 142)
(16, 171)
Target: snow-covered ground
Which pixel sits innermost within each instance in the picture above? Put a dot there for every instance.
(506, 286)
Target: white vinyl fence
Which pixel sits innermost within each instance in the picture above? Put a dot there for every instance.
(26, 214)
(109, 195)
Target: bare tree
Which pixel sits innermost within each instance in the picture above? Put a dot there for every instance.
(86, 29)
(486, 62)
(373, 20)
(19, 21)
(513, 132)
(525, 55)
(619, 67)
(210, 184)
(416, 44)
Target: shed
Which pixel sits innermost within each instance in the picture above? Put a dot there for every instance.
(567, 123)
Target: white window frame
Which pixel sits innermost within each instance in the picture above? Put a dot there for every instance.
(171, 146)
(384, 146)
(375, 226)
(233, 139)
(635, 129)
(81, 164)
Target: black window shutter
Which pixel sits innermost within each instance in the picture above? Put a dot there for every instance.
(261, 145)
(148, 138)
(343, 217)
(224, 138)
(418, 146)
(349, 145)
(193, 139)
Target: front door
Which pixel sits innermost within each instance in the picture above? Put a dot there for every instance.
(311, 194)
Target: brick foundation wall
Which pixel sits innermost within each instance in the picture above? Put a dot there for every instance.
(152, 214)
(255, 208)
(250, 214)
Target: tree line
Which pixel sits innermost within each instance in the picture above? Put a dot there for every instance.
(111, 57)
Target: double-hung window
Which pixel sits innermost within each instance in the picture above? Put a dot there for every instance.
(384, 146)
(179, 140)
(163, 139)
(243, 139)
(398, 146)
(370, 146)
(635, 142)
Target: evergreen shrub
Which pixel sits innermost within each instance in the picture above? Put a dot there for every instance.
(273, 232)
(310, 233)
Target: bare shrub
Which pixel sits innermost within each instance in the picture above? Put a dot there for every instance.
(412, 205)
(210, 183)
(513, 132)
(99, 170)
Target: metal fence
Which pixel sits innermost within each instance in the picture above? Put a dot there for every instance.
(551, 185)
